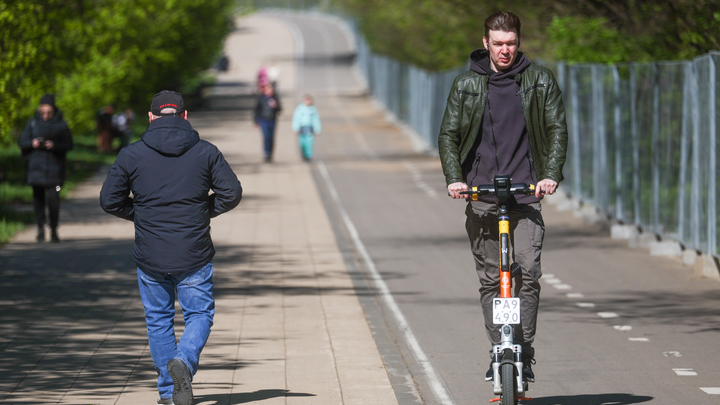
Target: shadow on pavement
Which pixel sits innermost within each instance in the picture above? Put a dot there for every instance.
(322, 59)
(72, 316)
(690, 309)
(246, 397)
(595, 399)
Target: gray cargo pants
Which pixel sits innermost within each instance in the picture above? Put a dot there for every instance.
(526, 236)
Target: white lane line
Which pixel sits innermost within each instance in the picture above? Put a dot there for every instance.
(607, 314)
(640, 339)
(711, 390)
(585, 304)
(562, 286)
(418, 180)
(550, 275)
(434, 380)
(684, 371)
(672, 354)
(623, 328)
(576, 295)
(553, 281)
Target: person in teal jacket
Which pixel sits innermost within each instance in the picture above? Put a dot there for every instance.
(306, 124)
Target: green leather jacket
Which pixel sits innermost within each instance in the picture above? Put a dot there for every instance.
(544, 119)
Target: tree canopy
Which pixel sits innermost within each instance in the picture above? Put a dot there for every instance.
(92, 53)
(440, 34)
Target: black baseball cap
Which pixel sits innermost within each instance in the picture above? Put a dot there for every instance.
(167, 99)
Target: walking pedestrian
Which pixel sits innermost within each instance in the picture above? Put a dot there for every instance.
(106, 128)
(273, 73)
(262, 78)
(306, 124)
(505, 116)
(170, 173)
(123, 122)
(44, 143)
(267, 109)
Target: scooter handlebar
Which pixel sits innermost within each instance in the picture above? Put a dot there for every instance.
(489, 189)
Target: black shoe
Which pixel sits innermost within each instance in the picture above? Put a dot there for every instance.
(182, 379)
(490, 374)
(40, 235)
(54, 236)
(528, 374)
(165, 401)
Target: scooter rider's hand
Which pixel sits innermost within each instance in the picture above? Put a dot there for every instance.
(455, 188)
(545, 187)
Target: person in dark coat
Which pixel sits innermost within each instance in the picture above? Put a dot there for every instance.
(170, 173)
(267, 109)
(44, 142)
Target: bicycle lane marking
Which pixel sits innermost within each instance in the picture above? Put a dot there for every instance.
(555, 282)
(681, 372)
(434, 381)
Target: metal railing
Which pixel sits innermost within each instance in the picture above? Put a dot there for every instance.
(414, 95)
(643, 144)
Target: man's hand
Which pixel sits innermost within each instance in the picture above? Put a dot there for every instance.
(35, 143)
(49, 144)
(545, 187)
(456, 188)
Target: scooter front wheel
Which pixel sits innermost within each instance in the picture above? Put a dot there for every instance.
(509, 384)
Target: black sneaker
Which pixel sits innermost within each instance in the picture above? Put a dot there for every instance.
(40, 235)
(528, 374)
(490, 374)
(165, 401)
(182, 379)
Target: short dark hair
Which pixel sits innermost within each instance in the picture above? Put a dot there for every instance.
(502, 21)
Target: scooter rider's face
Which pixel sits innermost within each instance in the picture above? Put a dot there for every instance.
(503, 47)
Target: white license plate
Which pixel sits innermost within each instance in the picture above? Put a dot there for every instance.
(506, 311)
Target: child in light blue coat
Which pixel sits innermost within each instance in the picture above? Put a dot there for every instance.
(306, 124)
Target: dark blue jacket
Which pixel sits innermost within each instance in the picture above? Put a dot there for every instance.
(170, 173)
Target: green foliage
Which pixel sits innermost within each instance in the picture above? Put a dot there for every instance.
(93, 53)
(440, 34)
(590, 40)
(432, 34)
(11, 222)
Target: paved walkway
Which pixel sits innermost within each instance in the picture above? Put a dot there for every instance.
(289, 328)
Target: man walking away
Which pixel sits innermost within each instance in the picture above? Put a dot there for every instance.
(170, 173)
(505, 116)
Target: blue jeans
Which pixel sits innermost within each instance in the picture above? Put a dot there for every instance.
(268, 131)
(195, 294)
